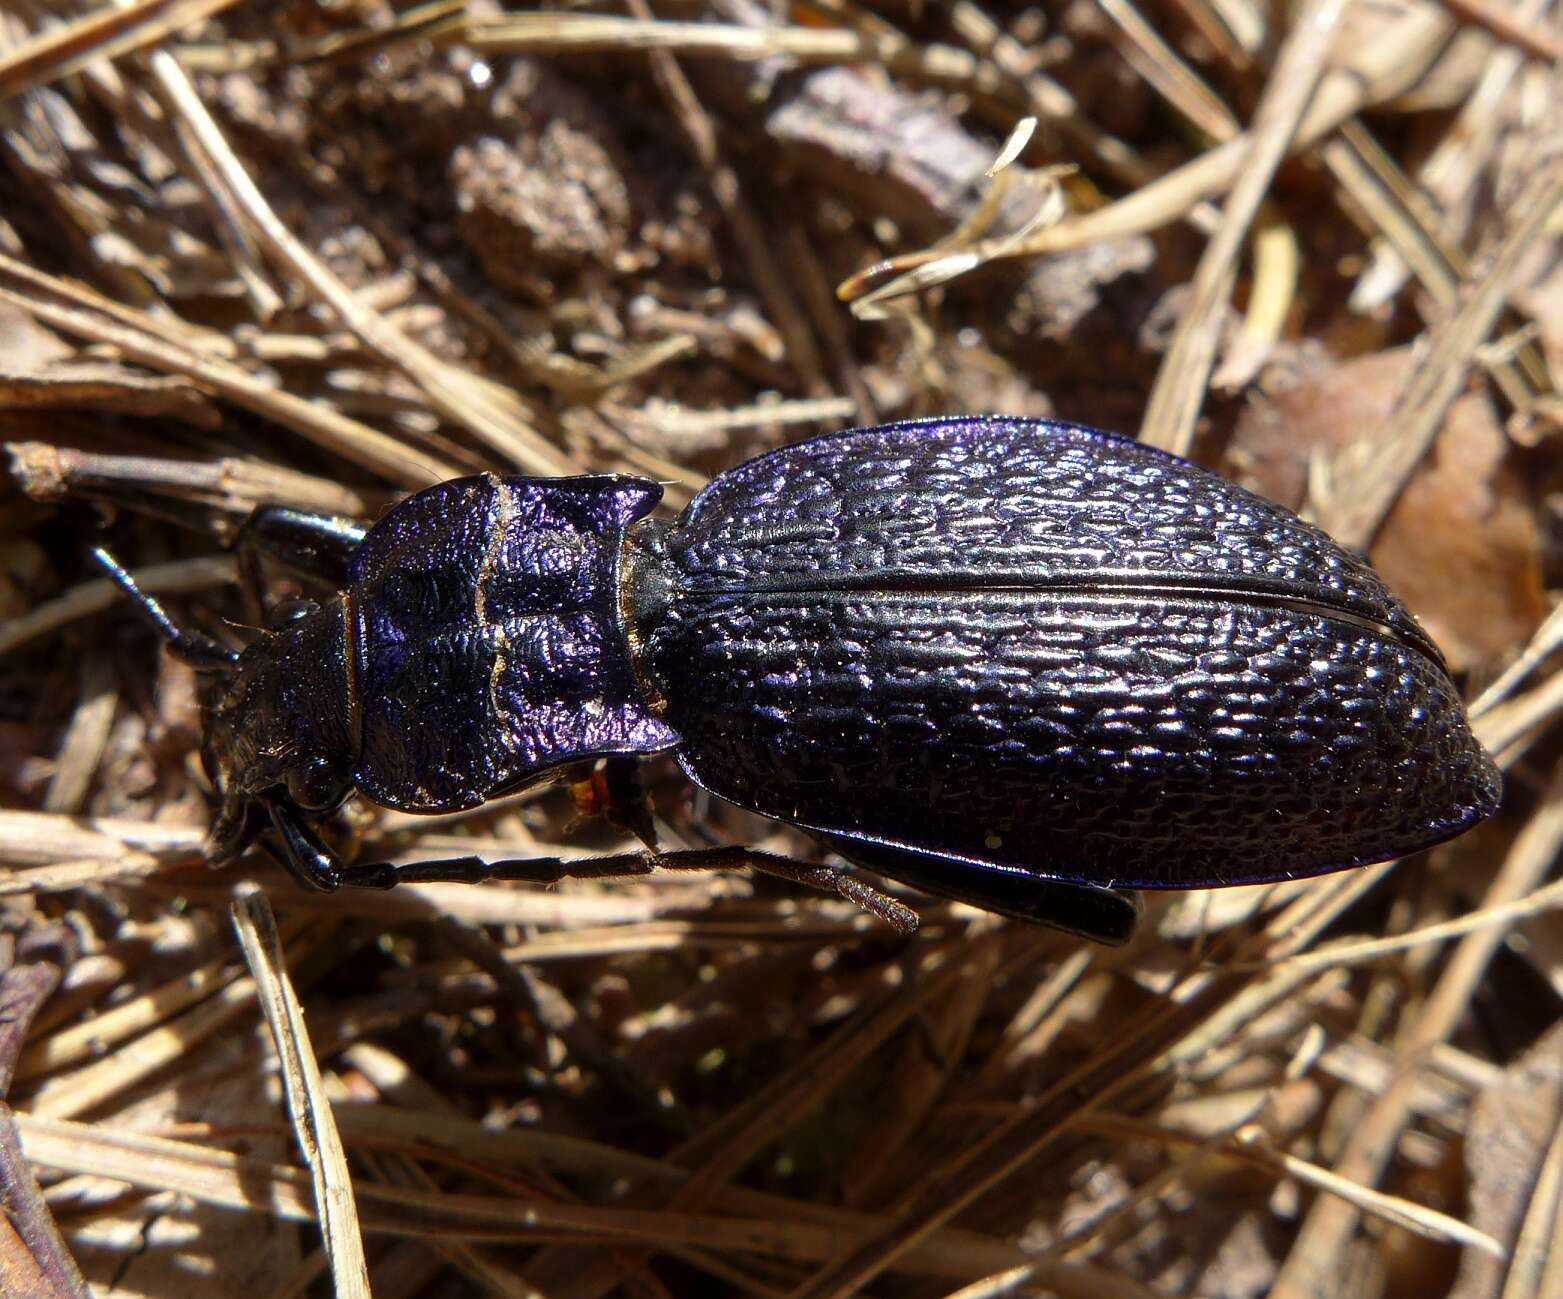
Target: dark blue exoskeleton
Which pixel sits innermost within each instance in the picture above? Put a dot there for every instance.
(1022, 664)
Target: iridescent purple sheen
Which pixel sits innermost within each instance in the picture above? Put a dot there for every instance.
(487, 638)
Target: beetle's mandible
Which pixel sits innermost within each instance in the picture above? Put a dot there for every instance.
(1022, 664)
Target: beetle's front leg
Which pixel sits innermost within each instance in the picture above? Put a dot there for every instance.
(550, 870)
(301, 851)
(316, 545)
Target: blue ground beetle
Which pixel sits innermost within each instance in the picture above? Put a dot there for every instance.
(1022, 664)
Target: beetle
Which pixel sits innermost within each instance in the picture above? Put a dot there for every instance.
(1022, 664)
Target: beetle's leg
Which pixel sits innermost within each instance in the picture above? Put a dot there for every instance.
(612, 789)
(200, 652)
(550, 870)
(627, 807)
(315, 545)
(1092, 911)
(239, 823)
(301, 850)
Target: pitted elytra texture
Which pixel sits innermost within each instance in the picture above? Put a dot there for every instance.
(1054, 650)
(1144, 744)
(996, 501)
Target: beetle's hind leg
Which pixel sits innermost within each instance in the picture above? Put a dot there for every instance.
(550, 870)
(318, 546)
(1094, 911)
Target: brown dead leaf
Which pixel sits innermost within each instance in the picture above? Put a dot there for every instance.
(1461, 546)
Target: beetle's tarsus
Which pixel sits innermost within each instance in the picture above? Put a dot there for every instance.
(831, 879)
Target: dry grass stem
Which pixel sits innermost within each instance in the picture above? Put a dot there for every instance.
(498, 422)
(1156, 61)
(313, 1125)
(103, 34)
(354, 441)
(1537, 41)
(1404, 217)
(1536, 1270)
(1362, 496)
(1180, 384)
(1330, 1222)
(177, 577)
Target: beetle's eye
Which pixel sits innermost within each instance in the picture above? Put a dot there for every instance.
(287, 612)
(315, 786)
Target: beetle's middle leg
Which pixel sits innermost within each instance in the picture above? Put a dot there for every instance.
(614, 790)
(319, 546)
(550, 870)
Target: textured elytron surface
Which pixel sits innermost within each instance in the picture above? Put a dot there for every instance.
(488, 638)
(1002, 500)
(1110, 735)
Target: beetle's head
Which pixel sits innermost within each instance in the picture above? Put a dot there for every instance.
(274, 715)
(277, 728)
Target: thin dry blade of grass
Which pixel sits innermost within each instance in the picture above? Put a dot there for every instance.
(1375, 73)
(1157, 62)
(1453, 167)
(251, 1185)
(129, 1019)
(177, 577)
(1370, 1146)
(1353, 953)
(1248, 1144)
(1403, 216)
(421, 21)
(1185, 372)
(103, 34)
(313, 1124)
(493, 415)
(355, 441)
(1536, 1268)
(1007, 1146)
(1538, 41)
(1272, 296)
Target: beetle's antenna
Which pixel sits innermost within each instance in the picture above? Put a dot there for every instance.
(190, 647)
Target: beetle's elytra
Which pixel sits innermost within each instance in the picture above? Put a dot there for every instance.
(1018, 663)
